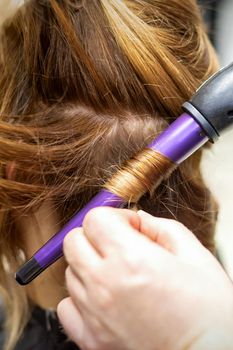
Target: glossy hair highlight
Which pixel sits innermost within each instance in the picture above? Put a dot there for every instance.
(84, 86)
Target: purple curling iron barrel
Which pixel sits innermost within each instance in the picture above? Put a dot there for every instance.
(205, 117)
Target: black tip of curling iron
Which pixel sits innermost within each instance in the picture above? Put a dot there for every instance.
(28, 272)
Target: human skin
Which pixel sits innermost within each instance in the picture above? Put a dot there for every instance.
(36, 228)
(140, 282)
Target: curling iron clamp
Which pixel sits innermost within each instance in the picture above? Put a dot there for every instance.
(206, 116)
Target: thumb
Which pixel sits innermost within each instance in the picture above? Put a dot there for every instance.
(172, 236)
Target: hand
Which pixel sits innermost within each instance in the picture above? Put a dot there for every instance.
(140, 282)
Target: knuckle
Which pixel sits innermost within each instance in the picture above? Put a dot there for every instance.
(94, 217)
(95, 274)
(89, 344)
(67, 242)
(67, 274)
(69, 279)
(105, 298)
(68, 250)
(102, 340)
(133, 261)
(71, 246)
(70, 257)
(70, 238)
(178, 225)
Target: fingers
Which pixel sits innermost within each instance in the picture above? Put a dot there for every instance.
(171, 235)
(104, 228)
(71, 319)
(107, 228)
(110, 232)
(78, 250)
(76, 288)
(114, 234)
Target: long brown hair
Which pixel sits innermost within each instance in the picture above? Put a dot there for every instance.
(84, 85)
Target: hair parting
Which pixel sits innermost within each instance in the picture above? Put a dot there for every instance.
(85, 86)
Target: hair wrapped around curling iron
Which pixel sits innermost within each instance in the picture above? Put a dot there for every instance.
(69, 121)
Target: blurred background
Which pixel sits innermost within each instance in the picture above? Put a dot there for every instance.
(217, 163)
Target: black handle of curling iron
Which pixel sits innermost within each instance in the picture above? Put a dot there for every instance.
(212, 104)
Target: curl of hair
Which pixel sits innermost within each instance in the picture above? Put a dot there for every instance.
(84, 86)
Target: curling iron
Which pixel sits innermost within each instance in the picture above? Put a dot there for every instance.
(206, 116)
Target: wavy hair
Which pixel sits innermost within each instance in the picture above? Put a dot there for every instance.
(84, 86)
